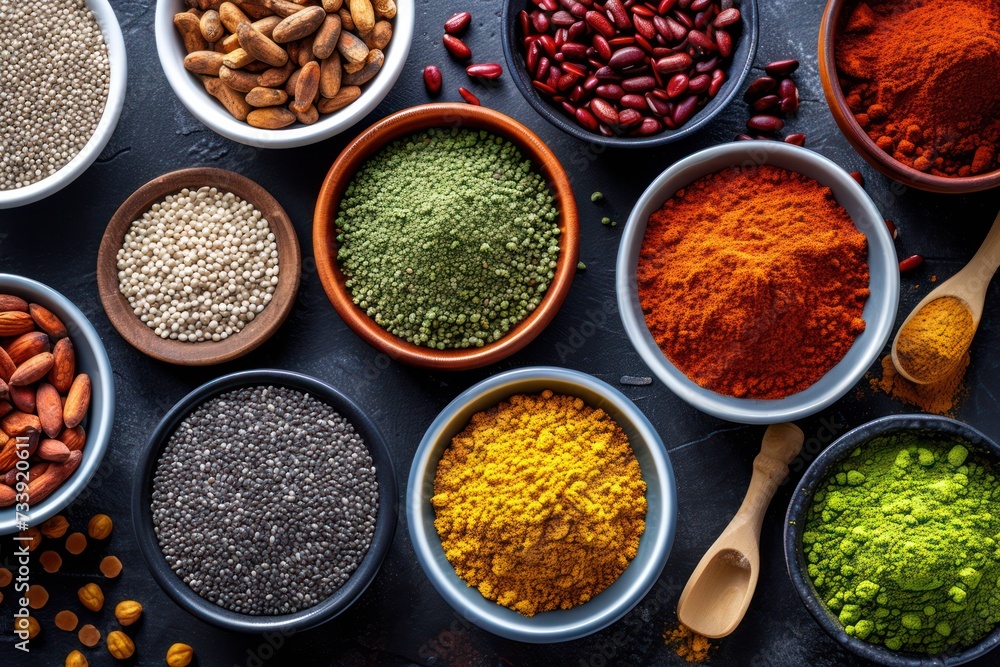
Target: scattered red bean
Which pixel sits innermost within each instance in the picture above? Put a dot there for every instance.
(765, 123)
(796, 139)
(910, 263)
(893, 232)
(485, 70)
(456, 47)
(781, 68)
(859, 177)
(628, 67)
(744, 137)
(458, 23)
(759, 87)
(432, 80)
(765, 103)
(468, 96)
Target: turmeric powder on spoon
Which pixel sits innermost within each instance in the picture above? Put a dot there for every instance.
(935, 339)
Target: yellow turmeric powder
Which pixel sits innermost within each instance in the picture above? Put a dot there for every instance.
(940, 398)
(540, 502)
(935, 339)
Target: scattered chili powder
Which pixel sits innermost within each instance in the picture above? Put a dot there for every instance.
(921, 79)
(753, 281)
(941, 397)
(687, 643)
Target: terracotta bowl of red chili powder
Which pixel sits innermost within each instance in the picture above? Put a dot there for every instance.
(758, 281)
(913, 86)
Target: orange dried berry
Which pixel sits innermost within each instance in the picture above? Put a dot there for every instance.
(76, 543)
(37, 596)
(76, 659)
(34, 538)
(51, 561)
(128, 612)
(99, 527)
(27, 623)
(111, 567)
(120, 645)
(5, 577)
(179, 655)
(89, 635)
(55, 527)
(91, 596)
(66, 620)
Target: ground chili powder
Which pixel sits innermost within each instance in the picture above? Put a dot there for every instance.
(753, 281)
(921, 78)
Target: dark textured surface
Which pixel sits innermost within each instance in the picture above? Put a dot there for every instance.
(401, 620)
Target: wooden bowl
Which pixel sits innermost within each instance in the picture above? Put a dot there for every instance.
(206, 353)
(407, 122)
(832, 22)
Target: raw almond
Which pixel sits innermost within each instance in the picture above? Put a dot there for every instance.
(15, 323)
(325, 42)
(4, 391)
(63, 365)
(235, 103)
(7, 496)
(32, 370)
(204, 62)
(299, 25)
(28, 345)
(48, 406)
(74, 438)
(7, 365)
(52, 451)
(261, 47)
(41, 487)
(11, 302)
(20, 423)
(77, 401)
(23, 398)
(271, 118)
(47, 321)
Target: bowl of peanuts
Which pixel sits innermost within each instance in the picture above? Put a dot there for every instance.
(57, 402)
(282, 74)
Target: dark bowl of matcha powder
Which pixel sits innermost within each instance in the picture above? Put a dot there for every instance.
(447, 238)
(266, 501)
(893, 541)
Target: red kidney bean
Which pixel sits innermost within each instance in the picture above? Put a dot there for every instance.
(618, 14)
(765, 123)
(458, 23)
(706, 66)
(644, 26)
(702, 41)
(647, 127)
(586, 119)
(591, 83)
(531, 58)
(603, 111)
(628, 56)
(683, 19)
(725, 43)
(678, 85)
(678, 62)
(632, 101)
(602, 47)
(744, 137)
(644, 43)
(469, 97)
(685, 110)
(910, 263)
(543, 68)
(639, 84)
(726, 18)
(488, 71)
(600, 23)
(540, 21)
(699, 84)
(765, 103)
(525, 22)
(644, 11)
(565, 82)
(759, 87)
(562, 18)
(539, 86)
(548, 45)
(781, 67)
(677, 29)
(789, 94)
(699, 5)
(658, 106)
(628, 117)
(796, 139)
(574, 50)
(574, 7)
(665, 6)
(432, 79)
(718, 78)
(859, 177)
(610, 91)
(577, 94)
(456, 47)
(568, 108)
(893, 232)
(576, 31)
(547, 5)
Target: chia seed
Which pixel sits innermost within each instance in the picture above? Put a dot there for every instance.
(264, 500)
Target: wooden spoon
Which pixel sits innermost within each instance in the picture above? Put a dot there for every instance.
(720, 588)
(968, 285)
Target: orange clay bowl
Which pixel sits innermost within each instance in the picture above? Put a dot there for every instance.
(405, 123)
(833, 19)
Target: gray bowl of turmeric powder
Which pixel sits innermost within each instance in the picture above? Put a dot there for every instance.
(538, 427)
(891, 541)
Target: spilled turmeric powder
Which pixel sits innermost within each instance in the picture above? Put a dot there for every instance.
(940, 398)
(540, 502)
(687, 643)
(935, 339)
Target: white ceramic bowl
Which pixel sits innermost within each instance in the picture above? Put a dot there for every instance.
(654, 545)
(879, 312)
(208, 110)
(105, 16)
(92, 359)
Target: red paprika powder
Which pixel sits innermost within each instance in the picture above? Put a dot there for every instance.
(753, 281)
(921, 77)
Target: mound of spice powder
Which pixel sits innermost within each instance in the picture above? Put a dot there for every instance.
(921, 78)
(753, 281)
(265, 500)
(448, 238)
(901, 543)
(540, 502)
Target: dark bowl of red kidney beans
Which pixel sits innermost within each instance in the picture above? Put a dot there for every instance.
(630, 73)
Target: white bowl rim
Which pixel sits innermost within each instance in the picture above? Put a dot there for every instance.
(99, 425)
(521, 628)
(744, 410)
(69, 172)
(192, 94)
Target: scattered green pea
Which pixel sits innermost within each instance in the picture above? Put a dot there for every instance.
(605, 221)
(580, 266)
(597, 196)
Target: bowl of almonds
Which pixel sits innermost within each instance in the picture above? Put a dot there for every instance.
(57, 402)
(281, 74)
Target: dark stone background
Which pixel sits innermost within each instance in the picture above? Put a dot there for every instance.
(401, 620)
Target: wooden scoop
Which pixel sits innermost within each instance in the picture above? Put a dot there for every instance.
(968, 285)
(719, 591)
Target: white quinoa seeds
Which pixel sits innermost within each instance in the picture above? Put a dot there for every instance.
(199, 265)
(54, 81)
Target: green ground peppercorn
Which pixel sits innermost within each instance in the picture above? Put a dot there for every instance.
(448, 238)
(902, 543)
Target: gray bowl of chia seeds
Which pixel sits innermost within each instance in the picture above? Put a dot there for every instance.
(265, 500)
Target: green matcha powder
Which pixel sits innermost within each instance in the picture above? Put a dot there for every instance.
(448, 238)
(903, 545)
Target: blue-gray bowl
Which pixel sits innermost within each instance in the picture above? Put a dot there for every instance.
(879, 312)
(92, 359)
(795, 520)
(739, 67)
(199, 607)
(654, 545)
